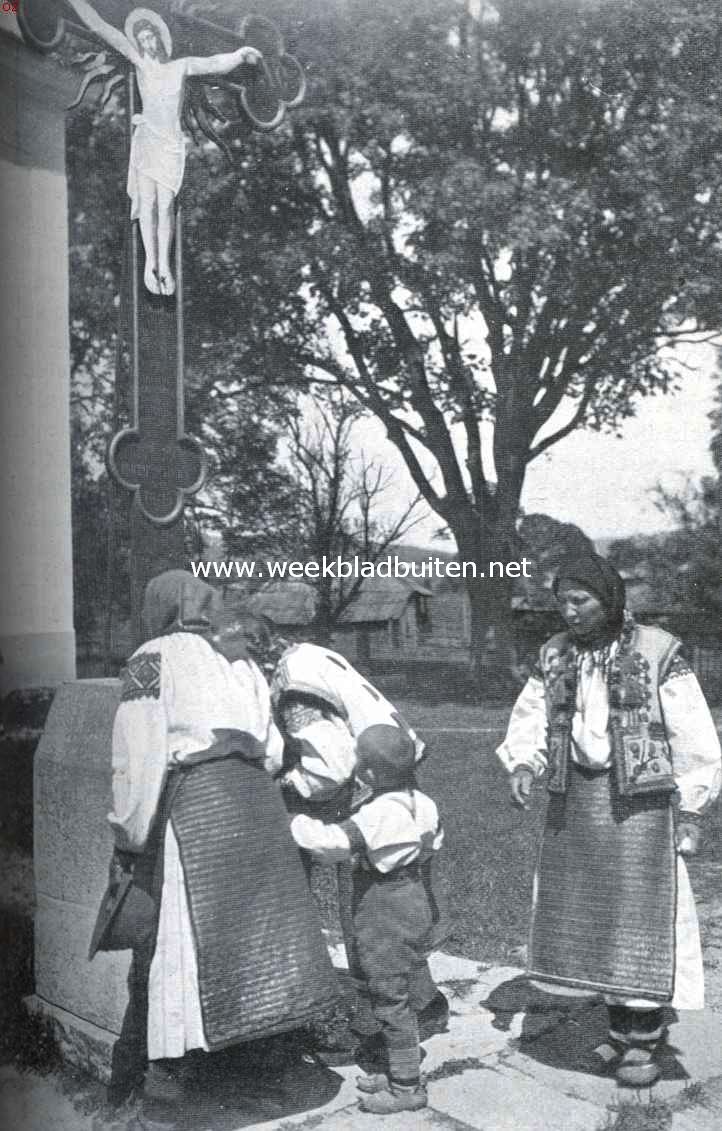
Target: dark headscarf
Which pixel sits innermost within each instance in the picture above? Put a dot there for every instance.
(595, 574)
(244, 634)
(176, 601)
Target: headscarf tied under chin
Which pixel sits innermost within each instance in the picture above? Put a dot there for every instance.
(595, 574)
(175, 601)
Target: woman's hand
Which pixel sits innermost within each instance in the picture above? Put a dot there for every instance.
(121, 863)
(688, 836)
(522, 780)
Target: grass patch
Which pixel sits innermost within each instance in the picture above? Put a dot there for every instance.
(692, 1095)
(455, 1067)
(486, 866)
(483, 875)
(630, 1116)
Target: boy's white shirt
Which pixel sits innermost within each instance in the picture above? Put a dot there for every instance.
(398, 828)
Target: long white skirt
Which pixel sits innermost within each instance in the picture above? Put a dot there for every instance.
(175, 1019)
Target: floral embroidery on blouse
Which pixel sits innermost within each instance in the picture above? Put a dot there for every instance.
(680, 666)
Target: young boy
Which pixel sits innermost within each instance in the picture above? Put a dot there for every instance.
(391, 838)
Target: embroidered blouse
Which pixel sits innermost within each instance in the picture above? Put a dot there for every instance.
(323, 703)
(178, 691)
(688, 723)
(327, 750)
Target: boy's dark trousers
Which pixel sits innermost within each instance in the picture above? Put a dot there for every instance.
(392, 924)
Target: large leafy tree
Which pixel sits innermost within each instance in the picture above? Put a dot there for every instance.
(486, 215)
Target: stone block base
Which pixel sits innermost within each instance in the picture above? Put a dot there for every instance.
(81, 1042)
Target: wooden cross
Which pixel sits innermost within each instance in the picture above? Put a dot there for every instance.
(153, 457)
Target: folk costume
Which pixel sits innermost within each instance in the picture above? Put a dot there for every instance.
(621, 729)
(236, 950)
(327, 711)
(323, 705)
(391, 839)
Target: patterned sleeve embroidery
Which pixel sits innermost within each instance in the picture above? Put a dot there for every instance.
(680, 666)
(298, 712)
(141, 677)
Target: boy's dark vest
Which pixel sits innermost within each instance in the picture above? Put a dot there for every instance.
(640, 751)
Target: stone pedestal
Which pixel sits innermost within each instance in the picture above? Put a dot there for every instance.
(73, 844)
(37, 640)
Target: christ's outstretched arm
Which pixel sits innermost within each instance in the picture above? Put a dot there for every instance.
(220, 64)
(104, 30)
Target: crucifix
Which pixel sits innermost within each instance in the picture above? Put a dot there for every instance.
(167, 94)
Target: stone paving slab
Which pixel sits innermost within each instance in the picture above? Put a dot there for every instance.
(449, 968)
(492, 1101)
(470, 1035)
(695, 1056)
(507, 1063)
(698, 1120)
(351, 1119)
(696, 1039)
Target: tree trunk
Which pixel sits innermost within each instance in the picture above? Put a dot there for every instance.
(493, 653)
(323, 622)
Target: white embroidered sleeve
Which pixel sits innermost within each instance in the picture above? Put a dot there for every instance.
(525, 742)
(140, 750)
(328, 758)
(694, 741)
(273, 760)
(327, 843)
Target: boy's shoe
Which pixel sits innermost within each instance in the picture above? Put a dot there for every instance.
(374, 1082)
(637, 1068)
(371, 1054)
(603, 1060)
(434, 1017)
(394, 1098)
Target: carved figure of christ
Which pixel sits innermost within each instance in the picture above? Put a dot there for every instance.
(158, 146)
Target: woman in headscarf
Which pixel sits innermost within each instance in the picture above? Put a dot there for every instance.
(614, 716)
(233, 950)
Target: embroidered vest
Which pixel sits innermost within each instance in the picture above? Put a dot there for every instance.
(640, 751)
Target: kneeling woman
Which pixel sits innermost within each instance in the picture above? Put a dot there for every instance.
(229, 945)
(615, 717)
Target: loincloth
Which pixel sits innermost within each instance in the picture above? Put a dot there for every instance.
(157, 155)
